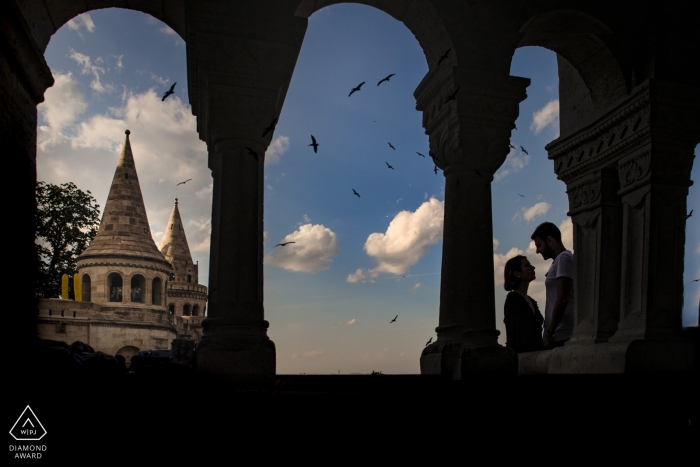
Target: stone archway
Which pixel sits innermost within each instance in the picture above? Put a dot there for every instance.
(127, 352)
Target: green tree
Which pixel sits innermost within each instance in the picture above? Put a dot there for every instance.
(67, 220)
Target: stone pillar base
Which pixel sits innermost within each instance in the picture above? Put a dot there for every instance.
(455, 360)
(633, 356)
(236, 351)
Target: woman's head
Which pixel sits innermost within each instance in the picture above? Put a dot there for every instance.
(517, 269)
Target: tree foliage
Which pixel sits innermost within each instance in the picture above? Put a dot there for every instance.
(67, 220)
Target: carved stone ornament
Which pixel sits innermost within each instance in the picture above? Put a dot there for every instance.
(584, 195)
(634, 170)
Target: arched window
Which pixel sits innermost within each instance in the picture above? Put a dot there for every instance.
(138, 288)
(86, 288)
(186, 310)
(189, 278)
(114, 285)
(195, 310)
(156, 291)
(172, 276)
(171, 307)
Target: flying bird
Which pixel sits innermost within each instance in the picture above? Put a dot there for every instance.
(688, 216)
(387, 164)
(283, 244)
(356, 88)
(435, 170)
(356, 193)
(511, 145)
(252, 153)
(314, 144)
(429, 341)
(393, 319)
(452, 96)
(422, 155)
(182, 183)
(385, 79)
(392, 147)
(524, 150)
(696, 280)
(521, 195)
(444, 56)
(168, 92)
(270, 128)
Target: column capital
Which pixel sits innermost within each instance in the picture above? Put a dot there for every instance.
(468, 115)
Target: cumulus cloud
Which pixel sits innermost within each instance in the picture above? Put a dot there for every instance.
(167, 30)
(351, 322)
(546, 116)
(357, 276)
(499, 263)
(83, 21)
(408, 237)
(63, 102)
(514, 162)
(495, 244)
(312, 251)
(88, 67)
(529, 213)
(277, 148)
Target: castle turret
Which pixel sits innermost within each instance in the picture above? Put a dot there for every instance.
(122, 263)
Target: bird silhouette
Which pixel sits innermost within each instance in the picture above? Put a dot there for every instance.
(356, 88)
(444, 56)
(314, 144)
(182, 183)
(168, 92)
(270, 128)
(688, 216)
(393, 319)
(422, 155)
(452, 96)
(511, 145)
(524, 150)
(356, 193)
(283, 244)
(252, 153)
(521, 195)
(385, 79)
(429, 341)
(387, 164)
(392, 146)
(435, 170)
(696, 280)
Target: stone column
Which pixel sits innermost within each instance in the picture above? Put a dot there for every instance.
(630, 237)
(24, 77)
(240, 62)
(469, 139)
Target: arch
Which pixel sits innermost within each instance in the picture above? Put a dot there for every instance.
(138, 289)
(86, 287)
(189, 277)
(579, 39)
(187, 310)
(115, 286)
(156, 291)
(127, 352)
(171, 308)
(195, 310)
(43, 24)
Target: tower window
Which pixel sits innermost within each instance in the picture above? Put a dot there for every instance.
(126, 176)
(189, 278)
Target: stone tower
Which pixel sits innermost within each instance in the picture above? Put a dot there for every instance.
(122, 266)
(185, 296)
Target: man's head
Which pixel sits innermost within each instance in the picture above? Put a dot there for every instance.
(547, 238)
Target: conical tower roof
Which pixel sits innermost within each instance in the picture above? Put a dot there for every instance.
(175, 248)
(124, 230)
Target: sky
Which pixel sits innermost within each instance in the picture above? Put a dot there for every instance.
(356, 262)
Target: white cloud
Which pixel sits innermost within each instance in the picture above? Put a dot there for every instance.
(495, 243)
(312, 251)
(167, 30)
(499, 263)
(63, 102)
(416, 287)
(351, 322)
(81, 21)
(306, 219)
(357, 276)
(277, 148)
(546, 116)
(88, 68)
(512, 164)
(406, 240)
(119, 65)
(528, 214)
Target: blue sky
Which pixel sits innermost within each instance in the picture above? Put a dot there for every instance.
(357, 262)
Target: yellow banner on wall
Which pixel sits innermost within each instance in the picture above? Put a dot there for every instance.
(77, 287)
(64, 287)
